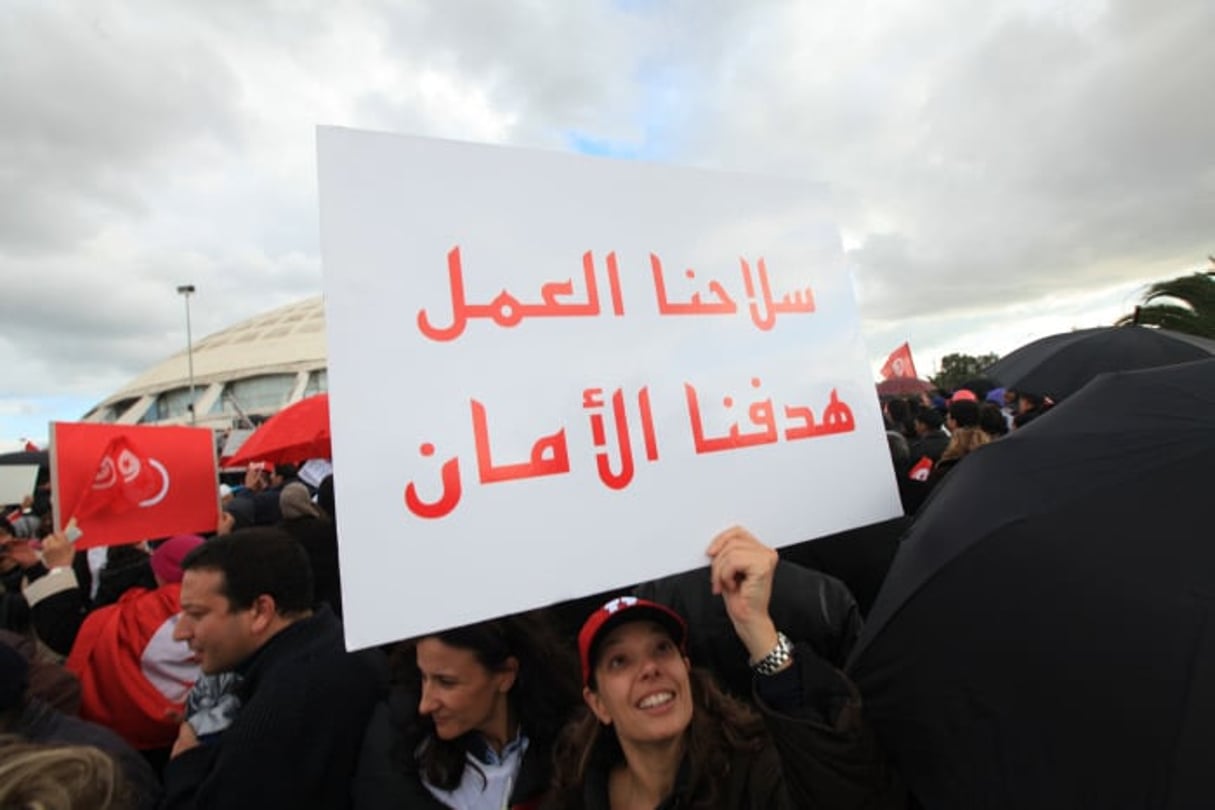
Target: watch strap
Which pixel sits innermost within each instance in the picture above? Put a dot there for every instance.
(775, 660)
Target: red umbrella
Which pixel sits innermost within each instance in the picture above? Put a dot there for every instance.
(903, 387)
(296, 433)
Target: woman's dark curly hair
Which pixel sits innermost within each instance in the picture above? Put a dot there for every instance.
(543, 695)
(721, 727)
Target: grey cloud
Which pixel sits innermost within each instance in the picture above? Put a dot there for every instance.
(982, 155)
(555, 65)
(96, 104)
(111, 322)
(993, 164)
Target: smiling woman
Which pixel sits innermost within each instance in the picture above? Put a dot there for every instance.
(472, 722)
(658, 733)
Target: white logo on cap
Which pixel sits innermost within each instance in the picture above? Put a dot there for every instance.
(620, 602)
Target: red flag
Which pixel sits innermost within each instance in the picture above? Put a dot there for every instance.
(126, 483)
(922, 469)
(133, 676)
(125, 479)
(899, 364)
(30, 447)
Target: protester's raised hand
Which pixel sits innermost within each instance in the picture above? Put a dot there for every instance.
(57, 551)
(253, 478)
(741, 572)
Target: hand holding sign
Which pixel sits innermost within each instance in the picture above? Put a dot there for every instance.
(741, 572)
(57, 551)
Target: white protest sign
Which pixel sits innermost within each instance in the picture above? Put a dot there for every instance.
(552, 375)
(17, 482)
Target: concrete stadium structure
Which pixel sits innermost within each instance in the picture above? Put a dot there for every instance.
(242, 374)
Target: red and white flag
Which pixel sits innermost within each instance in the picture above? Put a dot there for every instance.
(133, 676)
(899, 364)
(126, 483)
(922, 470)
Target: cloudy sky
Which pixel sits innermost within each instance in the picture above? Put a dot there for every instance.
(1002, 170)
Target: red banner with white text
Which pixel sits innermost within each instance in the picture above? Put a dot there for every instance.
(126, 483)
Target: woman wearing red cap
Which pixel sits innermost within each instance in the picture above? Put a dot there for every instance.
(658, 734)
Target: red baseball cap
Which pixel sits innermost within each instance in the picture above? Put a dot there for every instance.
(621, 610)
(963, 395)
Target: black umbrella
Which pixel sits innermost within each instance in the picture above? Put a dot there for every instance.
(1060, 365)
(1046, 634)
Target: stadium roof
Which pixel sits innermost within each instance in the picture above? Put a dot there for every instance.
(249, 370)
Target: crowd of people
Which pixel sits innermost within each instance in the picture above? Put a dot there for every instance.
(211, 672)
(929, 435)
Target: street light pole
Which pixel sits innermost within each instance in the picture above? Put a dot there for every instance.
(185, 290)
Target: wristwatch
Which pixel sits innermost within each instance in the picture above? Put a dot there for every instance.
(774, 661)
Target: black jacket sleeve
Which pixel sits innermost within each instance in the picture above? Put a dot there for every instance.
(58, 606)
(828, 755)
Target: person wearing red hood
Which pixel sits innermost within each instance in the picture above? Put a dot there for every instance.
(134, 677)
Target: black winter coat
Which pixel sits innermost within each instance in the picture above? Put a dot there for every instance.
(388, 779)
(305, 706)
(809, 606)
